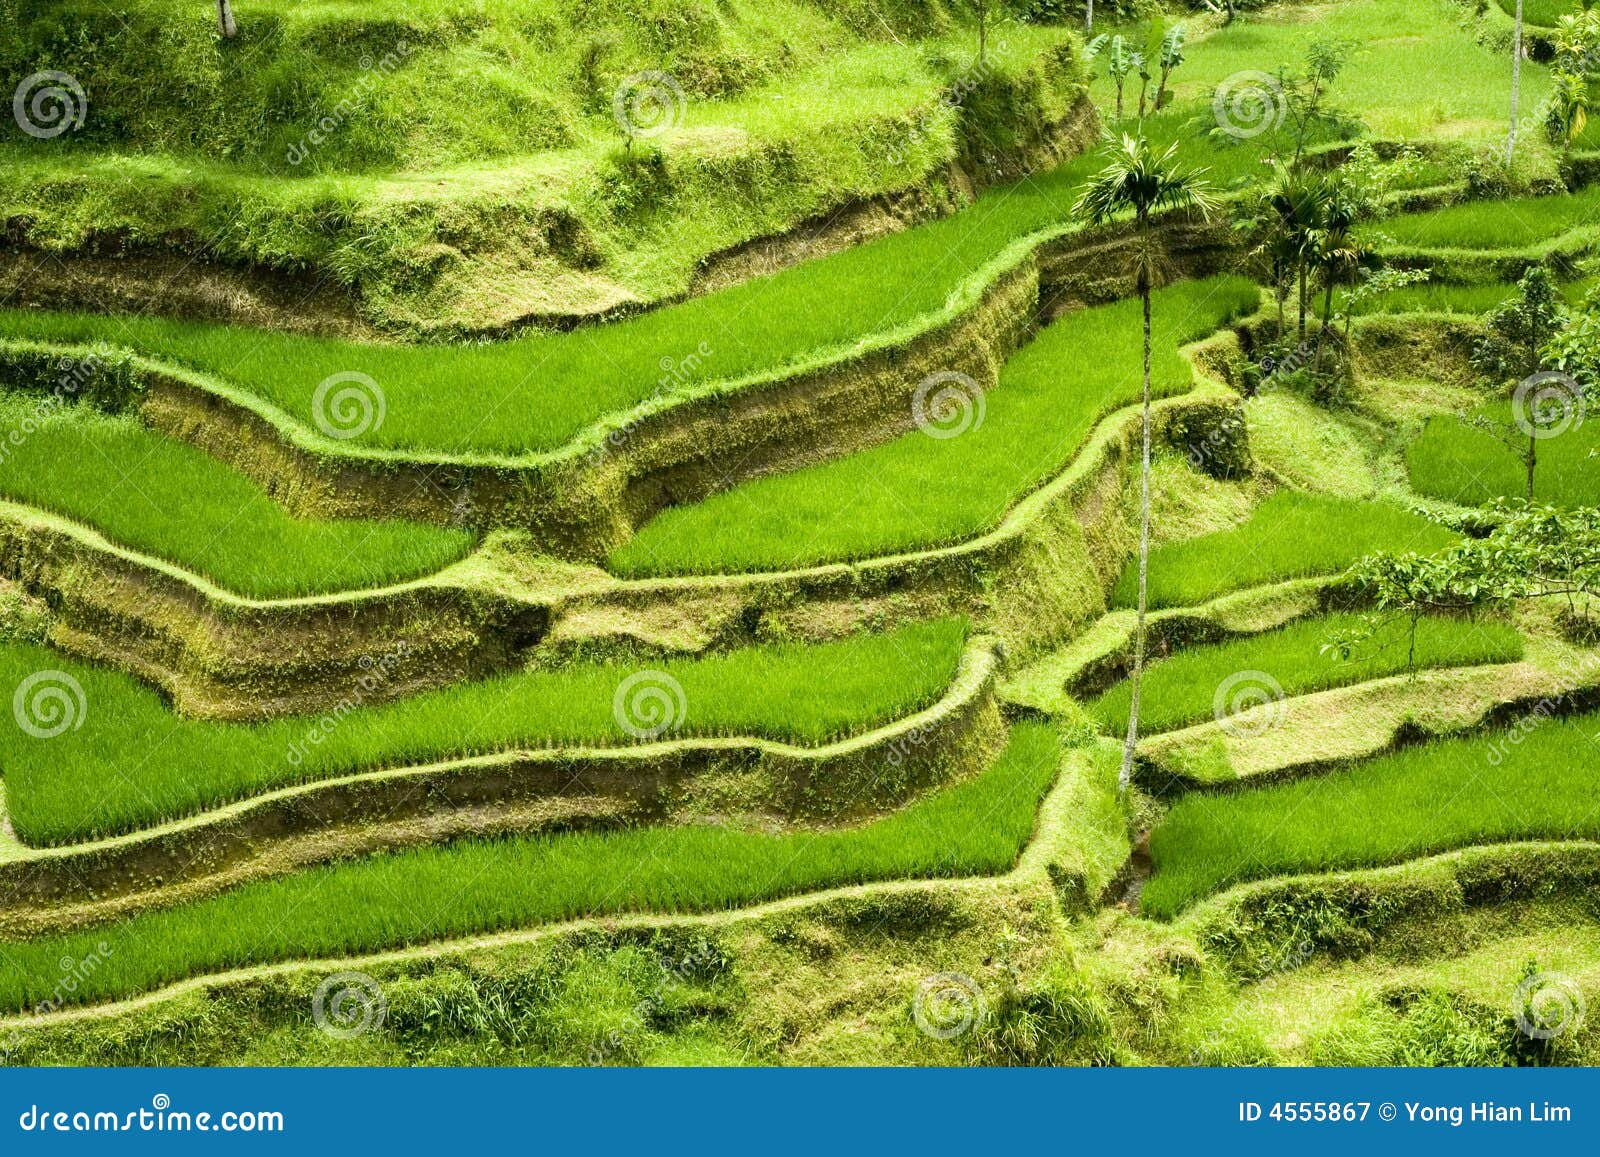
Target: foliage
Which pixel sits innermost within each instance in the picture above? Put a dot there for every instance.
(83, 785)
(479, 886)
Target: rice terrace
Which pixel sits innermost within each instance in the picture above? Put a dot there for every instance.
(800, 533)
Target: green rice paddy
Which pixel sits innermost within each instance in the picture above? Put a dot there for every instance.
(131, 762)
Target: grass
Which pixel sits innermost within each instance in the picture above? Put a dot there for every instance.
(132, 762)
(1416, 70)
(1529, 783)
(975, 828)
(922, 491)
(1512, 224)
(1183, 688)
(152, 494)
(1543, 13)
(1291, 535)
(1460, 463)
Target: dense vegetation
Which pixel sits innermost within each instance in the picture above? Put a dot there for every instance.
(922, 491)
(1529, 783)
(163, 497)
(975, 828)
(85, 783)
(1302, 658)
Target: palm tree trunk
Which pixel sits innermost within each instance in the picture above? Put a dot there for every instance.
(1516, 83)
(1327, 318)
(1128, 748)
(1088, 17)
(225, 23)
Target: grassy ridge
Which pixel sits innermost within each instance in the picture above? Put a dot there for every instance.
(975, 828)
(1291, 535)
(1182, 689)
(1459, 463)
(166, 498)
(1496, 786)
(923, 491)
(132, 762)
(1495, 225)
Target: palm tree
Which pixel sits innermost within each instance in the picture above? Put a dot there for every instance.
(1137, 178)
(225, 22)
(1516, 83)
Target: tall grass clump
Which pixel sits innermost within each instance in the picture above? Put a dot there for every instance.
(1182, 689)
(1291, 535)
(163, 497)
(1490, 787)
(132, 762)
(919, 490)
(974, 828)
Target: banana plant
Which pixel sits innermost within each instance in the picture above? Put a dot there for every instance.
(1169, 56)
(1119, 63)
(1141, 61)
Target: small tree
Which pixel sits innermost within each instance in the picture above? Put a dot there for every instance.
(1306, 94)
(1138, 179)
(1512, 350)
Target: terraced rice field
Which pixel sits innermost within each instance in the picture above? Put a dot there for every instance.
(540, 570)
